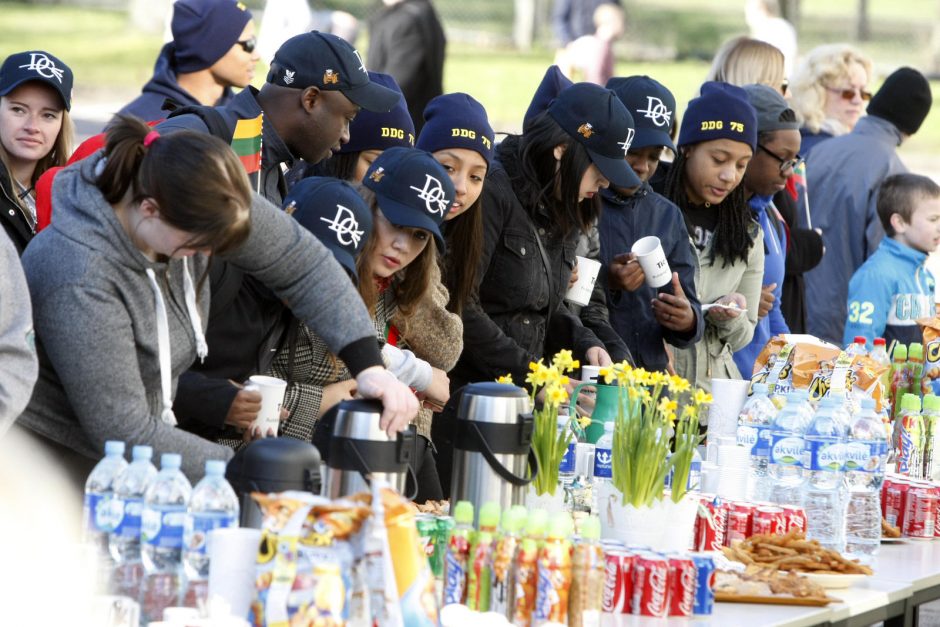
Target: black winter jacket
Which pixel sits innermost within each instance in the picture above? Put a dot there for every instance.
(12, 215)
(519, 308)
(624, 220)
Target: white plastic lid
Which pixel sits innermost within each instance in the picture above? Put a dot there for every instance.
(215, 468)
(142, 452)
(113, 447)
(170, 460)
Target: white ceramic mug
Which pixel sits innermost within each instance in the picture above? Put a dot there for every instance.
(580, 292)
(649, 253)
(272, 392)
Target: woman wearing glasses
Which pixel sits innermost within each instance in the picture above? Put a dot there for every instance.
(717, 140)
(830, 92)
(777, 155)
(213, 50)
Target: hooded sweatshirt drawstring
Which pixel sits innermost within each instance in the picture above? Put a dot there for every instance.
(163, 337)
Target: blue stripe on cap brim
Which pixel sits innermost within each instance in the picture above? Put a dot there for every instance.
(615, 170)
(646, 137)
(401, 214)
(373, 97)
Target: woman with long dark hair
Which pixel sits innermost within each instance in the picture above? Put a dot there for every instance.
(539, 196)
(717, 139)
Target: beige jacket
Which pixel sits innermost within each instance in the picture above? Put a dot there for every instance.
(712, 358)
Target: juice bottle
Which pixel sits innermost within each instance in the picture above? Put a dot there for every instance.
(554, 572)
(915, 366)
(502, 586)
(587, 576)
(456, 560)
(479, 575)
(525, 571)
(900, 380)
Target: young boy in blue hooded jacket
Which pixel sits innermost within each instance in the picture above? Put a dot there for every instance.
(894, 288)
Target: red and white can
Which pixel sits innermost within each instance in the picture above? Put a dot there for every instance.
(618, 582)
(769, 520)
(711, 525)
(682, 580)
(651, 586)
(920, 511)
(796, 518)
(887, 483)
(895, 496)
(740, 515)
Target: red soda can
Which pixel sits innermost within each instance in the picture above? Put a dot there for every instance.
(894, 502)
(769, 520)
(796, 518)
(651, 586)
(920, 512)
(888, 482)
(739, 522)
(682, 581)
(618, 582)
(711, 526)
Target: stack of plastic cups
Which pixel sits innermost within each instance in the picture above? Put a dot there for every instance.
(733, 465)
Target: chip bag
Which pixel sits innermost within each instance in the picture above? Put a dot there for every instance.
(930, 383)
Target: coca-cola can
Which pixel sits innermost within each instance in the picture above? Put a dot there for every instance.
(796, 518)
(769, 520)
(711, 526)
(888, 482)
(681, 586)
(704, 583)
(894, 502)
(920, 512)
(651, 586)
(739, 522)
(618, 581)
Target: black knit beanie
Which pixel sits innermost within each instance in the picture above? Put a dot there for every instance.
(904, 100)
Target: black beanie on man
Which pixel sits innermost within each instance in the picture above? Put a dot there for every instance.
(904, 100)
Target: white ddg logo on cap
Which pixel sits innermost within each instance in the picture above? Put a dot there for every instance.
(43, 65)
(345, 226)
(432, 195)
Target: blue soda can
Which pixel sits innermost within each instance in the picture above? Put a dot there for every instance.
(704, 583)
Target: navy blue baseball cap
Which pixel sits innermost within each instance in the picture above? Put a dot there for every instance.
(597, 120)
(335, 213)
(413, 189)
(380, 130)
(36, 65)
(552, 84)
(652, 106)
(328, 62)
(205, 30)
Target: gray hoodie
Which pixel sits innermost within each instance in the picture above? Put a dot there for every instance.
(17, 350)
(96, 318)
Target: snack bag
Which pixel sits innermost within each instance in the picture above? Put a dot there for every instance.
(930, 382)
(305, 560)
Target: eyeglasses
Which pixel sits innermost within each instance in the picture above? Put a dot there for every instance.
(849, 93)
(248, 45)
(784, 86)
(785, 164)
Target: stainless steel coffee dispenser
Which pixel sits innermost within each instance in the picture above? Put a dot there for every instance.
(493, 457)
(359, 449)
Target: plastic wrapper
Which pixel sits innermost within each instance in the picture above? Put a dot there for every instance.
(305, 560)
(930, 383)
(792, 362)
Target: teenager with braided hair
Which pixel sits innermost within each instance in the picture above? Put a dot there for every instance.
(717, 139)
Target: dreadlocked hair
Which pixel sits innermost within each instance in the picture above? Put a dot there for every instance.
(732, 240)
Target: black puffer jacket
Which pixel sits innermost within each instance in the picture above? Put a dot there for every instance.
(519, 306)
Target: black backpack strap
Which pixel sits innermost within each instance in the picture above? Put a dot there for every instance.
(213, 120)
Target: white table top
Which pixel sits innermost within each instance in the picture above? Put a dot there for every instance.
(916, 562)
(731, 614)
(868, 594)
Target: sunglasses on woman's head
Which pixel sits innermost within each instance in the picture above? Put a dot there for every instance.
(849, 94)
(248, 45)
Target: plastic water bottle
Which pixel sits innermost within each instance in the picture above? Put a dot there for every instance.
(754, 432)
(857, 347)
(127, 506)
(161, 535)
(214, 505)
(879, 353)
(566, 471)
(786, 449)
(865, 455)
(603, 459)
(823, 468)
(98, 520)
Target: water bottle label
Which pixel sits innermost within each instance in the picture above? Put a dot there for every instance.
(125, 516)
(862, 456)
(98, 512)
(824, 454)
(162, 526)
(197, 528)
(603, 463)
(695, 476)
(567, 462)
(747, 437)
(786, 450)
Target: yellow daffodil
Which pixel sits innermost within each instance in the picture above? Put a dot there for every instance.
(689, 411)
(555, 395)
(607, 374)
(677, 385)
(633, 393)
(584, 421)
(506, 378)
(539, 374)
(563, 361)
(667, 406)
(702, 397)
(656, 378)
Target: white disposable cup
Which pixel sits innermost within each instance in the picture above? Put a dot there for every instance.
(272, 397)
(649, 253)
(590, 373)
(233, 555)
(580, 292)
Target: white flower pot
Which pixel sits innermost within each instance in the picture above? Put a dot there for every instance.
(552, 503)
(666, 526)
